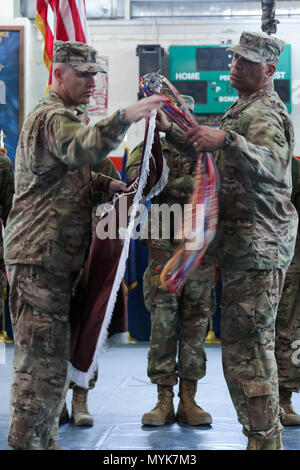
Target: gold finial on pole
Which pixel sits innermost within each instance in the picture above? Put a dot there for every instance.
(211, 337)
(4, 338)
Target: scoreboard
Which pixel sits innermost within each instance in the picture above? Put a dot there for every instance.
(203, 72)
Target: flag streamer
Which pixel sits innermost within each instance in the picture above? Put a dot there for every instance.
(205, 193)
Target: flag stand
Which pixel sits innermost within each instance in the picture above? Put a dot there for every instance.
(4, 338)
(211, 337)
(131, 339)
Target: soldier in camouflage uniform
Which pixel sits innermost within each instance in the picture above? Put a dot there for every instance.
(191, 309)
(256, 233)
(6, 197)
(268, 21)
(288, 322)
(48, 234)
(6, 194)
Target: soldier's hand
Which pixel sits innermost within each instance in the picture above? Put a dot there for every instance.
(162, 122)
(117, 187)
(142, 109)
(205, 138)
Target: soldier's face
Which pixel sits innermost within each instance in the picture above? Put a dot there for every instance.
(248, 77)
(77, 86)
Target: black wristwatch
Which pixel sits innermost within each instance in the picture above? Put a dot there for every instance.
(228, 139)
(121, 119)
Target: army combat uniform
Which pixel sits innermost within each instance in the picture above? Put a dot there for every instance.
(192, 308)
(108, 171)
(6, 197)
(46, 243)
(258, 227)
(288, 321)
(255, 242)
(6, 191)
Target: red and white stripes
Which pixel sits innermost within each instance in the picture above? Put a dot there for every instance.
(64, 20)
(70, 21)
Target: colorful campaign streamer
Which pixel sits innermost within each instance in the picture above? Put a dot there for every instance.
(205, 193)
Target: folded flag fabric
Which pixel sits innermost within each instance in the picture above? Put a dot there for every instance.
(94, 308)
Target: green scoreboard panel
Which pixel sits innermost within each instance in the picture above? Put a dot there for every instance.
(203, 72)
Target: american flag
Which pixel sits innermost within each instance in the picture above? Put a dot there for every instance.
(64, 20)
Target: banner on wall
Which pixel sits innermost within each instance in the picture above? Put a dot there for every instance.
(98, 101)
(11, 85)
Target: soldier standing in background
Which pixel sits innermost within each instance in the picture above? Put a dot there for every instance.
(288, 322)
(257, 230)
(190, 310)
(48, 235)
(6, 197)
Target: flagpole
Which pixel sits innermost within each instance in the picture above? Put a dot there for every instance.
(4, 338)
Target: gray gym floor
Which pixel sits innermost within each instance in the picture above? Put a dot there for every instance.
(123, 393)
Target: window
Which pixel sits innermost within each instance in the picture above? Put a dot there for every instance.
(95, 9)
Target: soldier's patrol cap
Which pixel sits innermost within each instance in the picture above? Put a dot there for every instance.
(189, 101)
(79, 55)
(259, 47)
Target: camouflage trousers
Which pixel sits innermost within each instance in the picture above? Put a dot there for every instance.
(288, 333)
(249, 307)
(189, 313)
(39, 306)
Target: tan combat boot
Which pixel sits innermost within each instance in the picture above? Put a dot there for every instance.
(290, 418)
(275, 443)
(188, 411)
(52, 445)
(64, 417)
(163, 412)
(80, 414)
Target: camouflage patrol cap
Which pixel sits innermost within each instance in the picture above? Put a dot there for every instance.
(258, 47)
(189, 101)
(79, 55)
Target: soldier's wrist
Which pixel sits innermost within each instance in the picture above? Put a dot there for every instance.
(121, 116)
(228, 138)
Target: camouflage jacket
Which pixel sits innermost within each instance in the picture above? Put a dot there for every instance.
(178, 189)
(107, 169)
(295, 264)
(296, 184)
(257, 221)
(50, 221)
(6, 191)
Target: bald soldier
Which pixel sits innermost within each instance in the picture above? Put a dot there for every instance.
(256, 233)
(48, 234)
